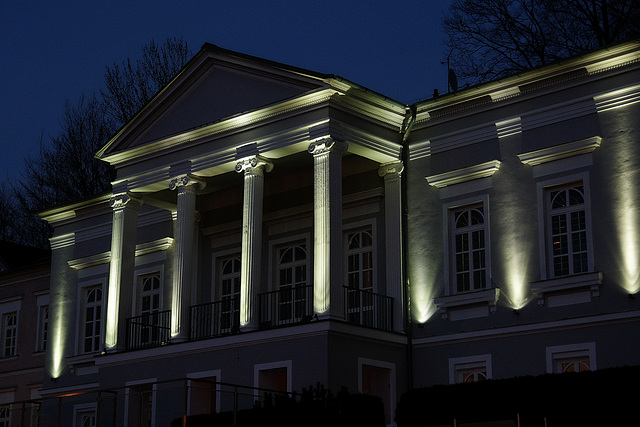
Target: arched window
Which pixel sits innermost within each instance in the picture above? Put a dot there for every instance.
(468, 246)
(567, 230)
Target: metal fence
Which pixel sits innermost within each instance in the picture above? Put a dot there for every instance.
(286, 306)
(149, 330)
(366, 308)
(215, 318)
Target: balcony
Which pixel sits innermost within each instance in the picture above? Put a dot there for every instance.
(365, 308)
(286, 306)
(148, 330)
(215, 319)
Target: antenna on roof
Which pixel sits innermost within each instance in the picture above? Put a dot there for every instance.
(452, 79)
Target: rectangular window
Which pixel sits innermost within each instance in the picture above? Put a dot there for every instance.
(91, 319)
(566, 221)
(149, 327)
(140, 403)
(571, 358)
(360, 276)
(359, 254)
(43, 327)
(5, 416)
(467, 228)
(229, 281)
(10, 334)
(275, 377)
(291, 282)
(86, 416)
(470, 369)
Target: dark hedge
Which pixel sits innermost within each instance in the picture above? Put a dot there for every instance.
(600, 398)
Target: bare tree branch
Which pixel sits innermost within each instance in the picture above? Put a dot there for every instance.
(493, 38)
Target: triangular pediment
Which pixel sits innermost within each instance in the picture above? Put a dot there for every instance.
(216, 85)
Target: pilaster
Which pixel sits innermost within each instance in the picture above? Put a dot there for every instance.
(392, 173)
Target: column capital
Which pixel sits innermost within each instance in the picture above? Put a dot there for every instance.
(326, 145)
(391, 170)
(119, 201)
(254, 165)
(183, 181)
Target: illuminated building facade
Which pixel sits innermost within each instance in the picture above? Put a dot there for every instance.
(24, 331)
(269, 225)
(523, 233)
(245, 242)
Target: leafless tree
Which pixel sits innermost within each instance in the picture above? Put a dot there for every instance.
(488, 39)
(65, 170)
(131, 84)
(8, 231)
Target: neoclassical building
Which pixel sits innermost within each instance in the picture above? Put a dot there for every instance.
(273, 228)
(253, 238)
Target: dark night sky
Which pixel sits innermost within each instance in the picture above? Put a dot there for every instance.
(54, 51)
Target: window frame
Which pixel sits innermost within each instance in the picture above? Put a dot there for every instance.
(84, 290)
(460, 365)
(149, 385)
(6, 329)
(5, 415)
(555, 354)
(283, 364)
(84, 409)
(205, 375)
(9, 307)
(449, 210)
(43, 328)
(229, 313)
(42, 331)
(358, 228)
(544, 189)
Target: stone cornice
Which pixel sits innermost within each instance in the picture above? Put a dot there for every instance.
(568, 72)
(105, 257)
(562, 151)
(482, 170)
(238, 123)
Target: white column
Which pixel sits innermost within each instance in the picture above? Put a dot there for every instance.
(392, 173)
(121, 267)
(253, 169)
(185, 243)
(328, 294)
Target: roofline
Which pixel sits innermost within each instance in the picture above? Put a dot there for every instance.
(543, 71)
(331, 79)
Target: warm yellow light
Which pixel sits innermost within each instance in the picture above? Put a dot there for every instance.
(628, 229)
(515, 260)
(625, 203)
(423, 288)
(57, 346)
(514, 245)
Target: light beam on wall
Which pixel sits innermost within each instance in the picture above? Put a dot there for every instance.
(626, 204)
(423, 287)
(515, 246)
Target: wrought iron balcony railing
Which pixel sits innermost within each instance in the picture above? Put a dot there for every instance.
(286, 306)
(149, 330)
(365, 308)
(215, 318)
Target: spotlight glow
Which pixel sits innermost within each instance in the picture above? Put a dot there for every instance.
(625, 204)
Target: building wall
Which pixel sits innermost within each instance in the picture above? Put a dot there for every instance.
(532, 311)
(482, 166)
(24, 296)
